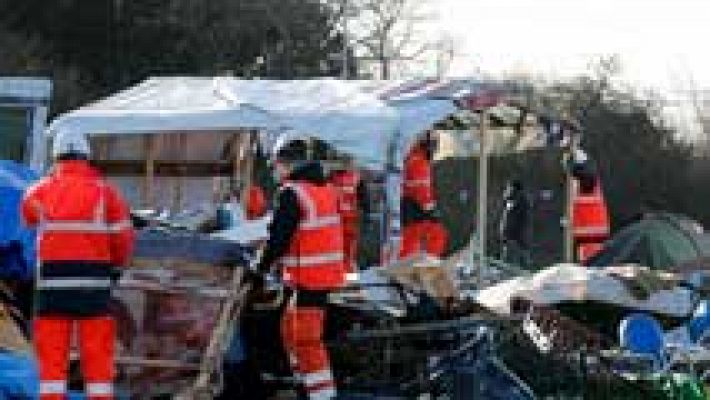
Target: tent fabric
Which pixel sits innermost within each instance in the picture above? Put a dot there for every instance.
(17, 243)
(163, 104)
(570, 283)
(657, 241)
(334, 111)
(356, 117)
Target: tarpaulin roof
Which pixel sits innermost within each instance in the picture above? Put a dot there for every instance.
(334, 111)
(356, 117)
(14, 179)
(162, 105)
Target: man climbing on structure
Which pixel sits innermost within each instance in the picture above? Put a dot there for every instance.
(352, 199)
(590, 217)
(84, 236)
(306, 243)
(422, 230)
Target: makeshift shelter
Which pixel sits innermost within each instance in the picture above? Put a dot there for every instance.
(190, 128)
(657, 241)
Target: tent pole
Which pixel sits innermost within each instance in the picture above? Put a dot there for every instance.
(482, 192)
(148, 200)
(569, 204)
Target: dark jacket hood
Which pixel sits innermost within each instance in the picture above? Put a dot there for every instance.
(311, 171)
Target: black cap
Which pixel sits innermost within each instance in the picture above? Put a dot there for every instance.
(295, 150)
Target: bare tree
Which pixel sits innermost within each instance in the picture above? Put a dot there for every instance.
(389, 30)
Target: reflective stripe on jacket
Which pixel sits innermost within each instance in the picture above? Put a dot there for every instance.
(315, 258)
(84, 231)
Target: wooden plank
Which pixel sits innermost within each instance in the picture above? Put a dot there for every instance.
(180, 181)
(234, 158)
(147, 197)
(147, 362)
(194, 168)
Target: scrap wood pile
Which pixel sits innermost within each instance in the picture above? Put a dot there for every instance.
(168, 305)
(567, 340)
(560, 357)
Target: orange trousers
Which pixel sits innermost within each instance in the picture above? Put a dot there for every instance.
(52, 340)
(428, 237)
(302, 335)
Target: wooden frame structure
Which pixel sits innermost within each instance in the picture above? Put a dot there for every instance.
(166, 155)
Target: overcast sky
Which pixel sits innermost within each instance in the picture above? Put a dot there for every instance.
(662, 44)
(659, 41)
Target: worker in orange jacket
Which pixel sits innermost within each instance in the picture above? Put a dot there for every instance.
(306, 243)
(84, 235)
(422, 230)
(352, 199)
(256, 202)
(590, 217)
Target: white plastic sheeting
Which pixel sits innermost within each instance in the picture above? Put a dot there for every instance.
(357, 117)
(163, 105)
(334, 111)
(573, 283)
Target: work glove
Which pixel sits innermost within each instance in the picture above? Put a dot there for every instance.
(575, 161)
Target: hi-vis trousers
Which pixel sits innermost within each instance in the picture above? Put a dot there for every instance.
(52, 340)
(302, 335)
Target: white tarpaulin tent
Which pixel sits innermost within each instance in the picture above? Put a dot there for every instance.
(337, 112)
(334, 111)
(166, 104)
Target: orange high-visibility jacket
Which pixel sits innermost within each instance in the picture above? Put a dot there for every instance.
(84, 232)
(590, 219)
(79, 216)
(315, 259)
(346, 183)
(256, 203)
(417, 184)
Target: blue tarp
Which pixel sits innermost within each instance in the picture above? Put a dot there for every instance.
(18, 376)
(17, 243)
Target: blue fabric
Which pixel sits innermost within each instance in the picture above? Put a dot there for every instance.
(700, 322)
(236, 353)
(18, 377)
(17, 243)
(641, 334)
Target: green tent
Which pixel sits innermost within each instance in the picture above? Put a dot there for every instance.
(656, 240)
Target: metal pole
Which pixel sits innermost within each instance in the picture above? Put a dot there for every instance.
(568, 238)
(569, 204)
(482, 192)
